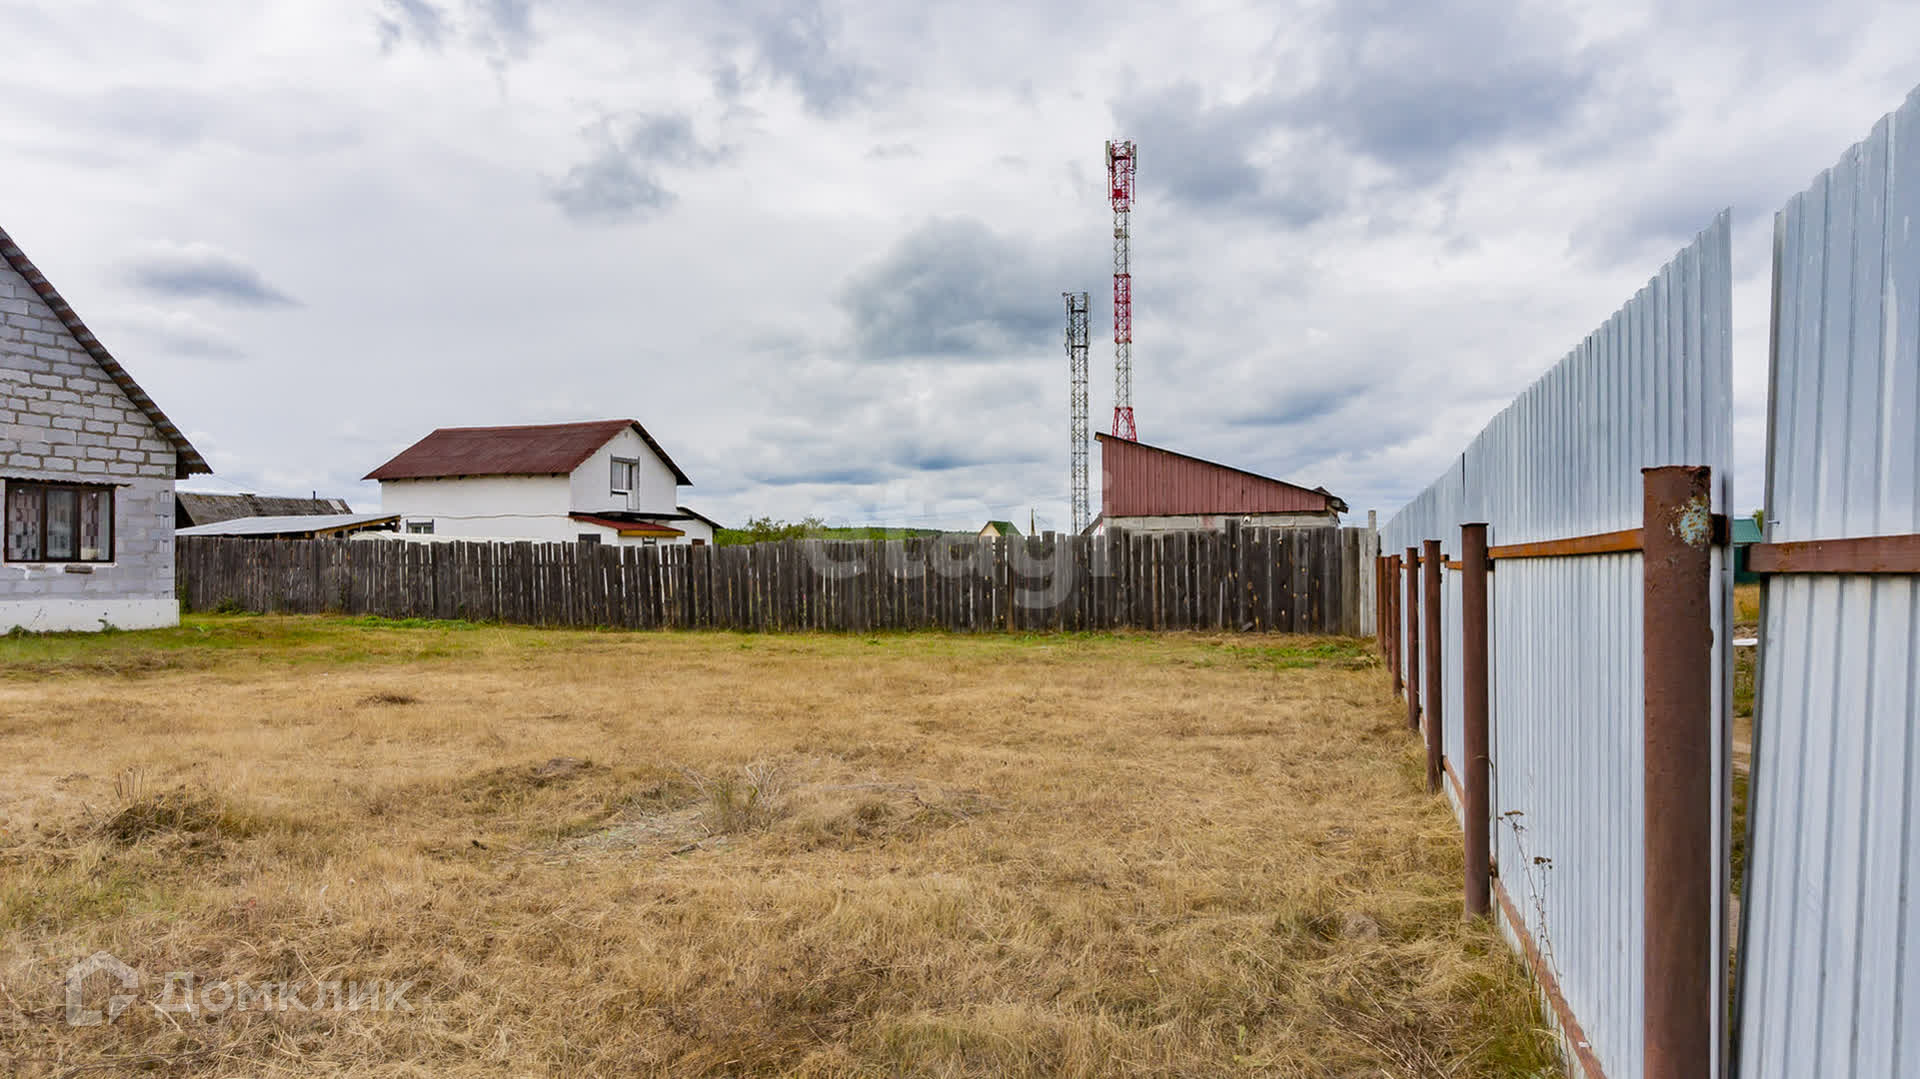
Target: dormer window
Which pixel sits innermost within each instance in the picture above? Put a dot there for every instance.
(626, 474)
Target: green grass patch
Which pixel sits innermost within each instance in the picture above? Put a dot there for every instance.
(377, 622)
(1737, 858)
(206, 640)
(78, 893)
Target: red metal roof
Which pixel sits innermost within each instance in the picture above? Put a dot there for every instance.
(546, 449)
(187, 460)
(629, 528)
(1139, 480)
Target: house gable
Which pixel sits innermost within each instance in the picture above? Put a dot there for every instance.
(54, 367)
(656, 481)
(71, 417)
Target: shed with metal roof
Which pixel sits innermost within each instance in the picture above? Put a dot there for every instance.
(1147, 488)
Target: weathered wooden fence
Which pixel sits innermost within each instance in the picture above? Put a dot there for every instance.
(1281, 580)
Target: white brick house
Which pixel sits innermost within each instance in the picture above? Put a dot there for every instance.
(87, 466)
(556, 482)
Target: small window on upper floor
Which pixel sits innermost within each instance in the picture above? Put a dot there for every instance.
(420, 528)
(58, 522)
(625, 473)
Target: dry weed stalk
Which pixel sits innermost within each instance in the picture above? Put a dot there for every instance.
(749, 801)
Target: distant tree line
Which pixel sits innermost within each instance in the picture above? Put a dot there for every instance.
(768, 530)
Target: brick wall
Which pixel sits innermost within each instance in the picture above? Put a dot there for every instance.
(62, 418)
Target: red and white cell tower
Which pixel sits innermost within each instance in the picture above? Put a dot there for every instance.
(1120, 158)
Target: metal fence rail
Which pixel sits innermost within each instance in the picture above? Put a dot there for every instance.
(1830, 969)
(1564, 461)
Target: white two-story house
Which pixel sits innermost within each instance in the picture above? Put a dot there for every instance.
(555, 482)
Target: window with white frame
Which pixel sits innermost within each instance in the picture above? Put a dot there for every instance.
(626, 475)
(58, 522)
(420, 528)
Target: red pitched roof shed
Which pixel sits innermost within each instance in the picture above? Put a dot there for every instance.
(1139, 480)
(547, 449)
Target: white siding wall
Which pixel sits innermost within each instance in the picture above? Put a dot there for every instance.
(495, 507)
(656, 487)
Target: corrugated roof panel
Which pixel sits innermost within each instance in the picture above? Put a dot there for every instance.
(530, 450)
(299, 525)
(1139, 480)
(206, 507)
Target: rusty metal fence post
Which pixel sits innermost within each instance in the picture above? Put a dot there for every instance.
(1677, 622)
(1434, 697)
(1476, 769)
(1376, 604)
(1392, 594)
(1413, 638)
(1380, 603)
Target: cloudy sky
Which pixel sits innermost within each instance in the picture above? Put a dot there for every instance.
(817, 248)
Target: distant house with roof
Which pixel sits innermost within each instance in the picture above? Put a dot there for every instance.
(1746, 533)
(606, 480)
(1153, 489)
(998, 530)
(193, 508)
(87, 467)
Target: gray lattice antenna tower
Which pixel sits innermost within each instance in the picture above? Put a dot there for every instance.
(1077, 402)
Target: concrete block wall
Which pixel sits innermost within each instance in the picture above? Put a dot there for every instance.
(62, 418)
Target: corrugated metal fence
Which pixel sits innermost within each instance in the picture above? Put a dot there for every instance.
(1305, 580)
(1581, 736)
(1830, 963)
(1563, 463)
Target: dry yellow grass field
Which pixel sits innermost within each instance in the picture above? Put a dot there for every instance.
(724, 855)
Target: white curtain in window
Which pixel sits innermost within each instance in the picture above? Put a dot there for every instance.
(96, 526)
(23, 523)
(63, 524)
